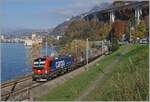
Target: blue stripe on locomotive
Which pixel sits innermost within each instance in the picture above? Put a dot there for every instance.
(61, 62)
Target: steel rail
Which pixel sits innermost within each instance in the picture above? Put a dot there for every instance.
(32, 85)
(11, 83)
(21, 90)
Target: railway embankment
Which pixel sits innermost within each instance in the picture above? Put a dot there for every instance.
(123, 75)
(44, 89)
(26, 89)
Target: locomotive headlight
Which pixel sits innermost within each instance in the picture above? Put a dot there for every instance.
(46, 71)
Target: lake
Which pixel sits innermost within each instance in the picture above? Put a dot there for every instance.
(14, 60)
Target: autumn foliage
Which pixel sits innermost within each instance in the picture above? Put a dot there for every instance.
(82, 29)
(119, 28)
(140, 30)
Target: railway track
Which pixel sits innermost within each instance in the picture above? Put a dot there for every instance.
(11, 83)
(24, 85)
(14, 88)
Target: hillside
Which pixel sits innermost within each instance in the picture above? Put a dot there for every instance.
(123, 75)
(60, 29)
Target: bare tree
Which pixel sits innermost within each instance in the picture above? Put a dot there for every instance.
(33, 52)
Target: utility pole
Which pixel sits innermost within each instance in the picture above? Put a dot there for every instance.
(130, 31)
(75, 50)
(102, 47)
(46, 45)
(87, 54)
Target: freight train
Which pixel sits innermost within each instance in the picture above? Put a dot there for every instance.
(45, 68)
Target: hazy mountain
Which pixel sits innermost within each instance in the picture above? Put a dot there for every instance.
(22, 32)
(100, 7)
(60, 29)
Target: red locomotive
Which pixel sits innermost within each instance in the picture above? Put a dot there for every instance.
(47, 67)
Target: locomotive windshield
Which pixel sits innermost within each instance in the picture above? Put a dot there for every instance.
(39, 63)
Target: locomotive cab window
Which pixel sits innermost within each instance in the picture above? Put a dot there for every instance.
(39, 63)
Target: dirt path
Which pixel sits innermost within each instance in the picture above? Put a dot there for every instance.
(102, 77)
(45, 88)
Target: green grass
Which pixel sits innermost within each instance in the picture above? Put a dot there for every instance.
(72, 88)
(129, 81)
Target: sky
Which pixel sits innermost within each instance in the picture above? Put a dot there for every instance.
(41, 14)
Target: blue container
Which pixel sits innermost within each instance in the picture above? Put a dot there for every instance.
(61, 63)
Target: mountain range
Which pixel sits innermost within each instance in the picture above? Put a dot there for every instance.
(58, 30)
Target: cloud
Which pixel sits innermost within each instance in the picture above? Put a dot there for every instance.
(76, 7)
(32, 1)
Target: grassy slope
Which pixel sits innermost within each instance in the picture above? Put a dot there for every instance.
(129, 81)
(72, 88)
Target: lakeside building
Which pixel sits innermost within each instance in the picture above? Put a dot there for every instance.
(33, 40)
(4, 39)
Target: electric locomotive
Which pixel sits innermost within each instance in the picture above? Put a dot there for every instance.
(44, 68)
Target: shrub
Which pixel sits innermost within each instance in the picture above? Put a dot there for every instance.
(115, 44)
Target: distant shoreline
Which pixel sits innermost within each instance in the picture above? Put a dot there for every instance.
(11, 42)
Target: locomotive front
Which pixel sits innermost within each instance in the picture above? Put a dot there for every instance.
(41, 69)
(48, 67)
